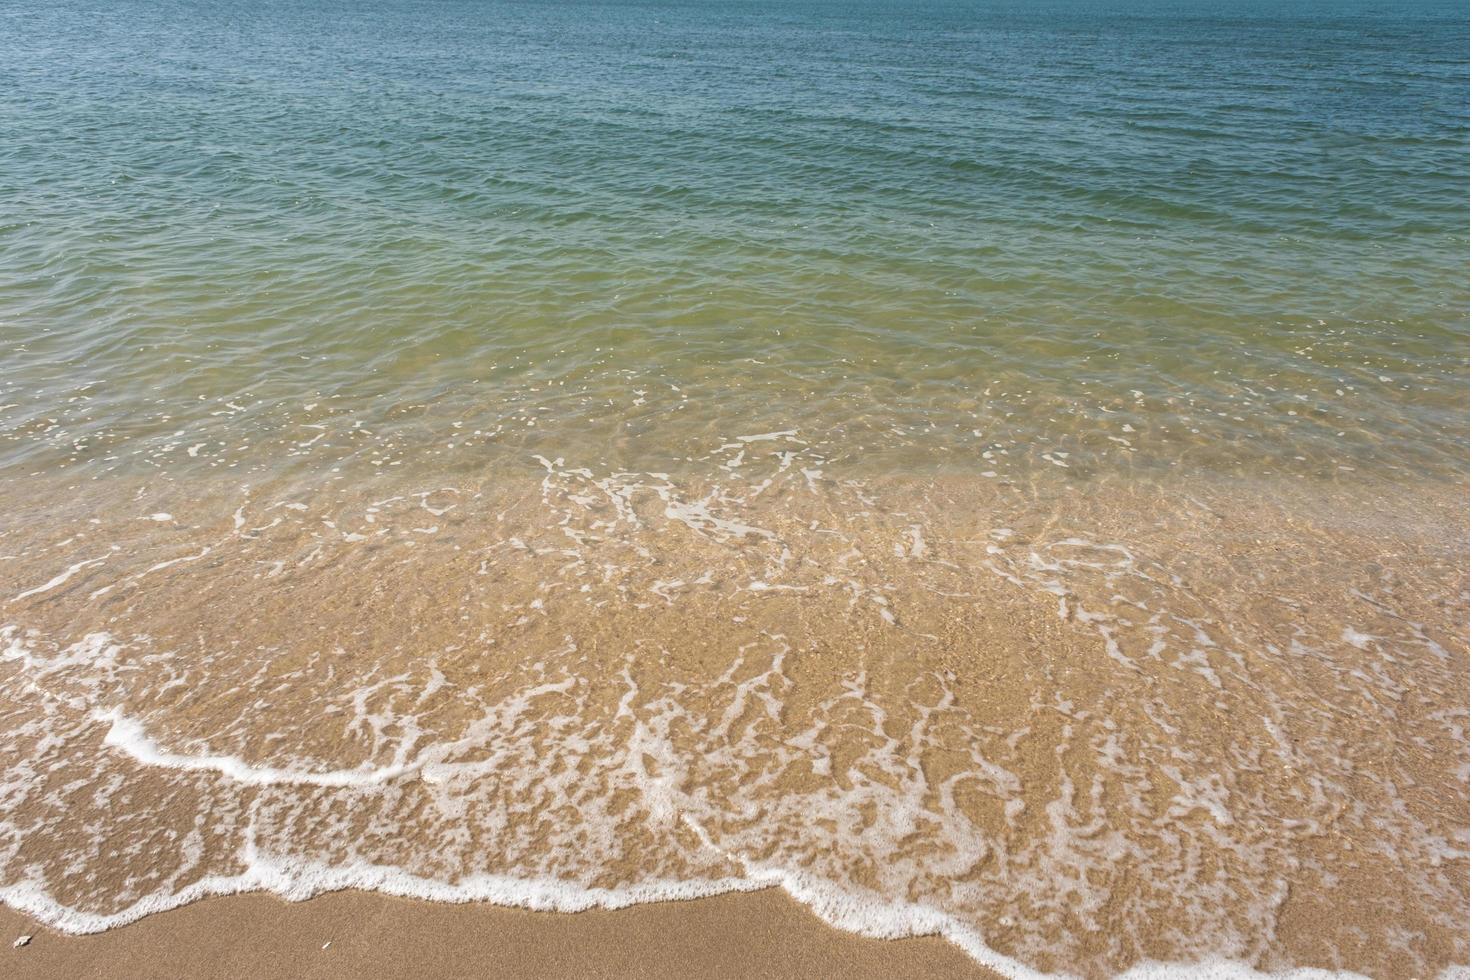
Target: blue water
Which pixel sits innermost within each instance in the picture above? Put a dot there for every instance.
(794, 212)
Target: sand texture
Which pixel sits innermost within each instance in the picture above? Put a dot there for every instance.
(763, 934)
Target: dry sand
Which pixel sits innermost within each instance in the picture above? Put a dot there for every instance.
(764, 934)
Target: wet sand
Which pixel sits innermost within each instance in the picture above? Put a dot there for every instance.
(761, 934)
(1077, 731)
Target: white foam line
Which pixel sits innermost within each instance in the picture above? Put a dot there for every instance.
(900, 920)
(128, 736)
(297, 880)
(174, 561)
(60, 579)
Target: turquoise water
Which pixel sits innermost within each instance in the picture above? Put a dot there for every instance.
(1241, 230)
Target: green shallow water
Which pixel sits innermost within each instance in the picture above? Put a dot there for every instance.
(1146, 236)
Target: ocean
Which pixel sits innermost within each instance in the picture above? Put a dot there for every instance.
(994, 469)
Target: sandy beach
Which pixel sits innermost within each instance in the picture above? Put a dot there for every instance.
(988, 714)
(353, 934)
(684, 489)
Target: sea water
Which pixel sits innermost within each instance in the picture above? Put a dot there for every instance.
(995, 470)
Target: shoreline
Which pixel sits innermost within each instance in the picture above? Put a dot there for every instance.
(353, 933)
(824, 655)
